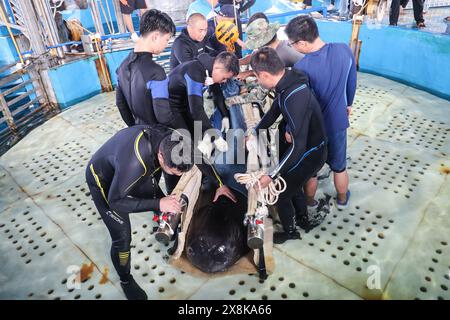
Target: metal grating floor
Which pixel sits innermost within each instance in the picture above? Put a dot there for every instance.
(392, 242)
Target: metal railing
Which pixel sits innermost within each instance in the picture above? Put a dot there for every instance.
(23, 103)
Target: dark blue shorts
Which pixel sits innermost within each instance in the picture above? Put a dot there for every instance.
(132, 5)
(337, 151)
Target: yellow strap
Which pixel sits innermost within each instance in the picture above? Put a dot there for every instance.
(97, 180)
(138, 155)
(215, 172)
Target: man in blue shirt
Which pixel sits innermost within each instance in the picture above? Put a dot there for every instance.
(205, 7)
(331, 69)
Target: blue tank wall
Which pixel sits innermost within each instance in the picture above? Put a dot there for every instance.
(114, 60)
(419, 59)
(75, 82)
(8, 53)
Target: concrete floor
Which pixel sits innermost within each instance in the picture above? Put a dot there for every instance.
(393, 242)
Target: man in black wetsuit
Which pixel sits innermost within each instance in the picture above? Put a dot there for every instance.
(142, 83)
(305, 134)
(190, 43)
(123, 177)
(186, 85)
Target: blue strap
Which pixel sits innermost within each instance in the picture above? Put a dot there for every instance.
(159, 89)
(306, 154)
(194, 88)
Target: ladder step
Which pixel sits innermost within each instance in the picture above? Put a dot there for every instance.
(19, 98)
(25, 106)
(11, 90)
(4, 68)
(10, 78)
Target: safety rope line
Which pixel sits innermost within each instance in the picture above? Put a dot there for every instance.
(268, 195)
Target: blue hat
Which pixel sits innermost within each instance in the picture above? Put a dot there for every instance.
(227, 10)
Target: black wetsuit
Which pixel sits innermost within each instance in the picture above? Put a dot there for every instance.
(186, 86)
(123, 177)
(185, 49)
(141, 89)
(307, 153)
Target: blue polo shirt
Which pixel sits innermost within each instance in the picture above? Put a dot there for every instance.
(332, 75)
(200, 6)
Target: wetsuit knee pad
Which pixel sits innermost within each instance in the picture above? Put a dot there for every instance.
(121, 241)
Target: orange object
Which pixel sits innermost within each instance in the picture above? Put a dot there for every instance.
(227, 33)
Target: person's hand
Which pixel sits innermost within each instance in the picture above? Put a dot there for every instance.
(208, 80)
(349, 111)
(221, 144)
(288, 137)
(241, 44)
(124, 2)
(245, 60)
(225, 124)
(224, 191)
(245, 74)
(264, 182)
(205, 146)
(169, 204)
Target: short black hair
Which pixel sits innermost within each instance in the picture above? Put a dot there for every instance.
(266, 59)
(155, 20)
(195, 17)
(177, 151)
(258, 15)
(302, 28)
(229, 61)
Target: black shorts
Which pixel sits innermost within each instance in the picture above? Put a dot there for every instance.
(132, 5)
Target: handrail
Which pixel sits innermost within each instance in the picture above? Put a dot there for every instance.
(180, 28)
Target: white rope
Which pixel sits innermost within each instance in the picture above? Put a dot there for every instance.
(268, 195)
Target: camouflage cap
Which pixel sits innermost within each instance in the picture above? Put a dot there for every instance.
(259, 33)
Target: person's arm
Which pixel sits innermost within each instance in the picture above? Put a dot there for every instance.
(118, 196)
(194, 84)
(351, 82)
(299, 114)
(158, 88)
(219, 100)
(245, 60)
(270, 117)
(123, 107)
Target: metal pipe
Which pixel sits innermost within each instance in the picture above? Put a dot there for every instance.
(44, 11)
(119, 17)
(95, 12)
(32, 26)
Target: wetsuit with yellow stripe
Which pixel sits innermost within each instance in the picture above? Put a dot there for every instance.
(123, 177)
